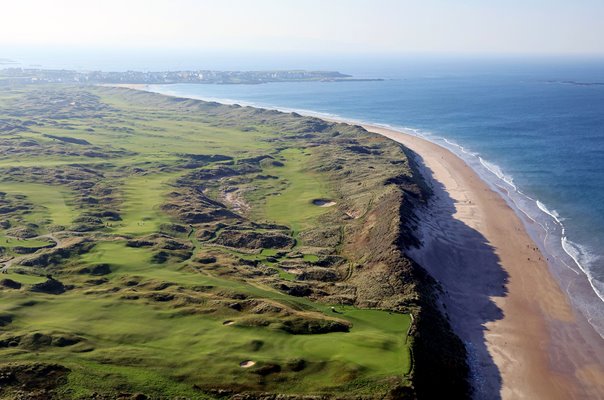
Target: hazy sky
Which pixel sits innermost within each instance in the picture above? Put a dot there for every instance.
(382, 26)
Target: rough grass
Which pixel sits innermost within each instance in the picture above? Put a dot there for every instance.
(143, 196)
(53, 203)
(292, 204)
(161, 348)
(140, 342)
(209, 353)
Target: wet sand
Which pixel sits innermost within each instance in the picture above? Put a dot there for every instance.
(525, 339)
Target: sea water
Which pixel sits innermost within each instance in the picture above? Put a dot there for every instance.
(534, 131)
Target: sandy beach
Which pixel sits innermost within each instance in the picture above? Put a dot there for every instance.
(524, 338)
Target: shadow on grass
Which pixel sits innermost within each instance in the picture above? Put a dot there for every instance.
(469, 274)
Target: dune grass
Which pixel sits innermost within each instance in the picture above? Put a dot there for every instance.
(143, 195)
(52, 203)
(165, 344)
(162, 349)
(292, 204)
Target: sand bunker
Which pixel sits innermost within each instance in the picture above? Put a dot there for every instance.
(247, 364)
(229, 322)
(323, 203)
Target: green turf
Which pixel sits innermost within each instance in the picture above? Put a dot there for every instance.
(23, 278)
(53, 203)
(292, 205)
(162, 349)
(125, 331)
(142, 198)
(9, 242)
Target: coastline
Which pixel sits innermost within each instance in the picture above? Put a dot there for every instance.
(541, 347)
(538, 345)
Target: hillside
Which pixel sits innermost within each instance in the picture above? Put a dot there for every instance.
(164, 247)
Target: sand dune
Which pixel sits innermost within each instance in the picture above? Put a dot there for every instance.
(524, 338)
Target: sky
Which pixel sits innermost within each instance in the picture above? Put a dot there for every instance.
(318, 26)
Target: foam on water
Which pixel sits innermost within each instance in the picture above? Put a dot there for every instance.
(551, 240)
(552, 213)
(496, 170)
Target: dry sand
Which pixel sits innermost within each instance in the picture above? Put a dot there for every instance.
(524, 338)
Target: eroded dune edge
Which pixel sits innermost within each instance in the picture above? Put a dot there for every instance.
(162, 247)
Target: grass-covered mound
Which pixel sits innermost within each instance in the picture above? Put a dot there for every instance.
(164, 247)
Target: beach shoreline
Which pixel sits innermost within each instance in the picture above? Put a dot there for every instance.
(536, 344)
(541, 347)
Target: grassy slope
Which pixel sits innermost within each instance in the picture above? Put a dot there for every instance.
(293, 204)
(163, 350)
(142, 199)
(54, 203)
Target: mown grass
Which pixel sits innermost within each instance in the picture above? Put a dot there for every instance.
(53, 203)
(30, 161)
(291, 204)
(134, 342)
(159, 349)
(143, 196)
(23, 278)
(9, 242)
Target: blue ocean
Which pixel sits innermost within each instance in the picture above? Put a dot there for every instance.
(533, 130)
(531, 127)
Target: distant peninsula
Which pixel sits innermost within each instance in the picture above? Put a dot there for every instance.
(29, 75)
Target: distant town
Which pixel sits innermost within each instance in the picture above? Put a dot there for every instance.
(25, 75)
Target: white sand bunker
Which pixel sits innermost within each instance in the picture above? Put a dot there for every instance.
(247, 363)
(323, 203)
(228, 322)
